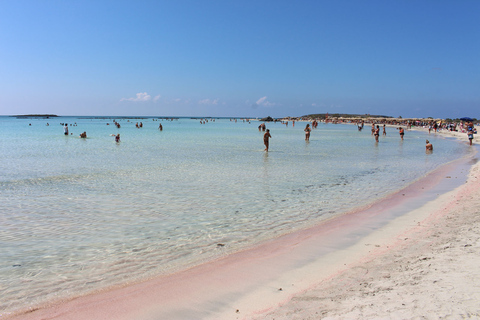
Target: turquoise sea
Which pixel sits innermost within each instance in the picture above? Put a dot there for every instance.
(79, 215)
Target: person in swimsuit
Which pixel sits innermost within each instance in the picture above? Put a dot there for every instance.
(65, 129)
(402, 132)
(117, 138)
(266, 138)
(377, 133)
(384, 130)
(307, 132)
(428, 147)
(83, 135)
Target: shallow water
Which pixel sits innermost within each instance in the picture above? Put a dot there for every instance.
(78, 215)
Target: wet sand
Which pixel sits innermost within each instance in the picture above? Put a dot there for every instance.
(412, 254)
(431, 271)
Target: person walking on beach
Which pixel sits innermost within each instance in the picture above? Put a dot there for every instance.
(470, 131)
(266, 138)
(428, 147)
(307, 132)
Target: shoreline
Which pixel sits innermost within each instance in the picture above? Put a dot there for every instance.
(219, 288)
(430, 271)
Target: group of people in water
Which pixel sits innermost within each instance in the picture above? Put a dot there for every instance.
(375, 132)
(117, 136)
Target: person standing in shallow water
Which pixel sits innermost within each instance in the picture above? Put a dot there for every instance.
(307, 132)
(266, 138)
(377, 133)
(402, 132)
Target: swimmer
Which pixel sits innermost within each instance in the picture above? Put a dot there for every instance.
(266, 138)
(428, 146)
(117, 138)
(83, 135)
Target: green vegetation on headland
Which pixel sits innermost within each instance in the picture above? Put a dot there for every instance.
(35, 116)
(359, 117)
(323, 116)
(343, 115)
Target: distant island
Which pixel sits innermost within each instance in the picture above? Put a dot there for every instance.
(46, 116)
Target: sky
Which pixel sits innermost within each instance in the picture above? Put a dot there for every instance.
(240, 58)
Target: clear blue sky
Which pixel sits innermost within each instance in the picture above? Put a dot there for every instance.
(409, 58)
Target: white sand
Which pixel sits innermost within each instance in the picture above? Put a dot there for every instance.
(432, 273)
(461, 136)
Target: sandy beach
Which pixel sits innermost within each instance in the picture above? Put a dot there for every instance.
(432, 271)
(414, 254)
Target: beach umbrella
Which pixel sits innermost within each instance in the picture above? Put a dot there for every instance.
(466, 119)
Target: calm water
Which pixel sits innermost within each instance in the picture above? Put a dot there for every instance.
(77, 215)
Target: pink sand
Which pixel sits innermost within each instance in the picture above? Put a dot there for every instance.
(256, 280)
